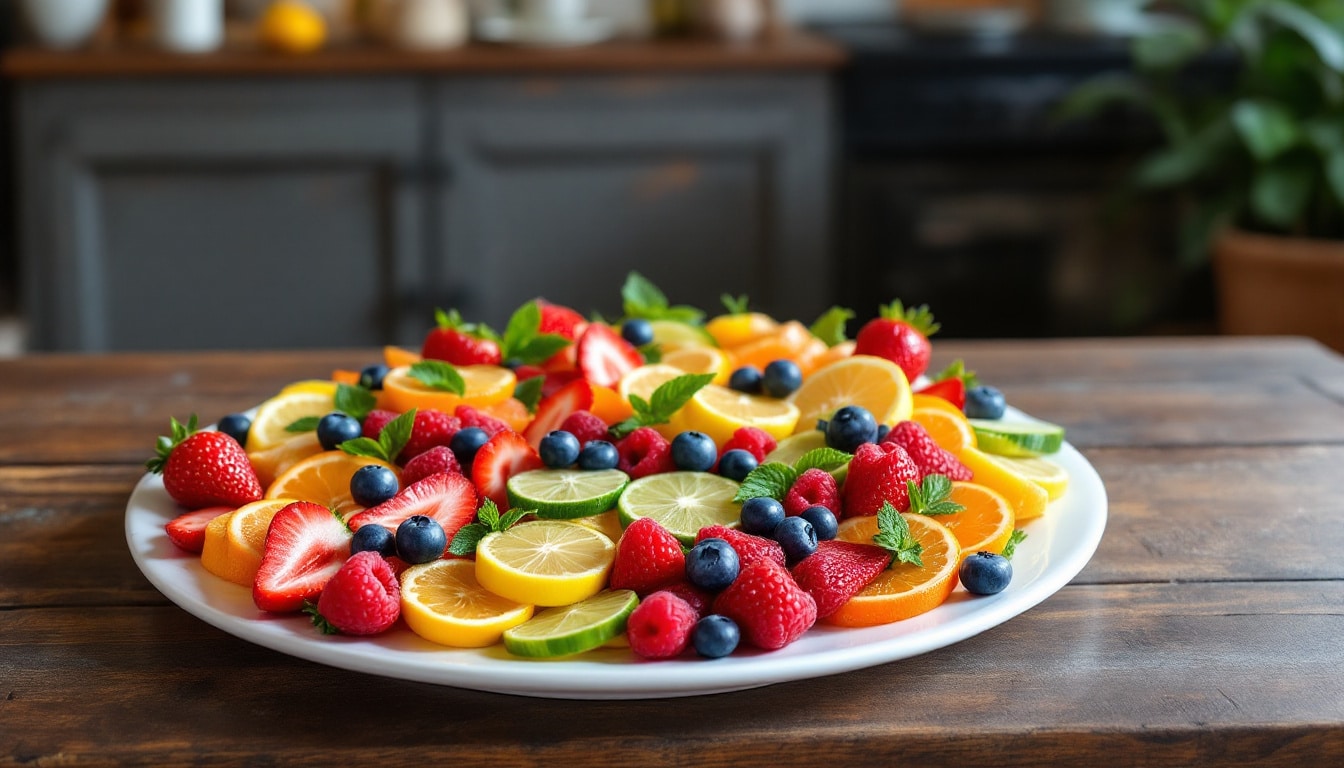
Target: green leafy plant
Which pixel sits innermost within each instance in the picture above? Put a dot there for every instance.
(1263, 151)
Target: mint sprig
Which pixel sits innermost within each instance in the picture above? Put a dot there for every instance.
(830, 327)
(931, 497)
(774, 479)
(488, 521)
(305, 424)
(666, 400)
(523, 340)
(439, 375)
(391, 440)
(354, 401)
(528, 392)
(825, 459)
(893, 535)
(1018, 537)
(641, 298)
(165, 444)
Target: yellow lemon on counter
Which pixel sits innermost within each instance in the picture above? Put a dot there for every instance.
(290, 26)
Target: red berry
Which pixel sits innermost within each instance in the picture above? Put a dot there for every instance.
(458, 342)
(305, 546)
(205, 469)
(503, 456)
(187, 531)
(449, 498)
(585, 426)
(438, 459)
(375, 421)
(697, 598)
(749, 548)
(648, 558)
(604, 357)
(753, 440)
(769, 607)
(431, 429)
(363, 598)
(661, 626)
(560, 320)
(645, 452)
(837, 571)
(878, 474)
(553, 410)
(952, 390)
(931, 458)
(470, 417)
(901, 336)
(816, 487)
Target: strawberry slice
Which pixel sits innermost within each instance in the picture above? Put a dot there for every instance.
(951, 390)
(448, 497)
(504, 456)
(560, 320)
(604, 357)
(552, 412)
(305, 546)
(188, 531)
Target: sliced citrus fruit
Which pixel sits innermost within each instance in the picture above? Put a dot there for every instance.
(785, 343)
(1045, 473)
(792, 448)
(575, 628)
(874, 383)
(545, 562)
(397, 357)
(719, 412)
(948, 428)
(921, 400)
(904, 590)
(682, 502)
(271, 462)
(1018, 439)
(246, 535)
(323, 478)
(319, 386)
(670, 335)
(486, 385)
(645, 379)
(511, 412)
(835, 354)
(701, 360)
(566, 493)
(731, 331)
(608, 405)
(810, 358)
(268, 425)
(1028, 499)
(608, 523)
(986, 522)
(215, 553)
(442, 602)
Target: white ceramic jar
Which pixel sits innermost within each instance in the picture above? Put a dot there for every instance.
(64, 23)
(188, 26)
(429, 24)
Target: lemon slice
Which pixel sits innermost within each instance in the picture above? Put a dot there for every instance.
(246, 535)
(1043, 472)
(719, 412)
(1027, 497)
(670, 335)
(573, 628)
(682, 502)
(874, 383)
(566, 493)
(268, 426)
(702, 360)
(608, 523)
(546, 562)
(645, 379)
(320, 386)
(442, 602)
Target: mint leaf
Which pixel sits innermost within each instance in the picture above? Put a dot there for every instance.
(467, 537)
(528, 392)
(825, 459)
(396, 434)
(439, 375)
(893, 534)
(363, 446)
(736, 305)
(666, 400)
(306, 424)
(652, 352)
(355, 401)
(539, 348)
(772, 480)
(1017, 538)
(931, 498)
(488, 513)
(511, 518)
(489, 521)
(641, 298)
(830, 327)
(523, 340)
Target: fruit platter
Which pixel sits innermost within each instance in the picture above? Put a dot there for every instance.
(665, 504)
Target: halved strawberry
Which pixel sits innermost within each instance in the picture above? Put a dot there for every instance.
(448, 497)
(552, 412)
(504, 456)
(951, 390)
(305, 546)
(604, 357)
(188, 531)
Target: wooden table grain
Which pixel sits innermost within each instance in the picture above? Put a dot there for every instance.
(1207, 630)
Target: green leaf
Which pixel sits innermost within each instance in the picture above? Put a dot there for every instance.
(512, 517)
(1095, 96)
(355, 401)
(439, 375)
(1267, 129)
(641, 296)
(1324, 134)
(830, 327)
(488, 513)
(736, 305)
(396, 433)
(931, 496)
(1327, 41)
(652, 352)
(681, 314)
(1334, 174)
(772, 480)
(538, 348)
(825, 459)
(670, 396)
(523, 326)
(164, 445)
(528, 392)
(1280, 192)
(957, 370)
(1170, 48)
(364, 446)
(320, 622)
(1188, 160)
(1017, 538)
(306, 424)
(467, 537)
(893, 535)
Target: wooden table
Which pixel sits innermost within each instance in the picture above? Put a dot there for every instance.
(1207, 630)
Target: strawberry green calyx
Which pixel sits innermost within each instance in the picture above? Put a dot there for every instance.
(165, 444)
(957, 370)
(893, 535)
(919, 318)
(320, 622)
(452, 321)
(1018, 537)
(931, 496)
(736, 305)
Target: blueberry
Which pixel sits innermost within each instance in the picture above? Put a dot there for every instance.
(746, 379)
(420, 539)
(986, 573)
(985, 402)
(599, 454)
(822, 520)
(236, 425)
(559, 449)
(882, 431)
(798, 538)
(712, 564)
(851, 427)
(372, 484)
(760, 515)
(372, 377)
(781, 378)
(694, 452)
(822, 424)
(638, 332)
(466, 443)
(373, 538)
(336, 428)
(715, 636)
(737, 464)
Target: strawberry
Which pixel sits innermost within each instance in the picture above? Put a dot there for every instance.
(431, 429)
(376, 420)
(661, 626)
(188, 531)
(562, 321)
(951, 384)
(204, 469)
(648, 558)
(753, 440)
(552, 411)
(815, 487)
(363, 598)
(432, 462)
(645, 452)
(931, 458)
(604, 357)
(305, 546)
(585, 426)
(450, 499)
(749, 548)
(837, 571)
(505, 455)
(769, 607)
(470, 417)
(555, 379)
(900, 335)
(459, 343)
(877, 474)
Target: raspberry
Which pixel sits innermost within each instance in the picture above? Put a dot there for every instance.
(931, 458)
(432, 428)
(645, 452)
(470, 417)
(769, 607)
(815, 487)
(362, 598)
(877, 474)
(749, 548)
(375, 421)
(438, 459)
(661, 625)
(694, 596)
(648, 558)
(755, 441)
(585, 426)
(837, 571)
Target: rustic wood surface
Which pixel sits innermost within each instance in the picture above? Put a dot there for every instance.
(1208, 629)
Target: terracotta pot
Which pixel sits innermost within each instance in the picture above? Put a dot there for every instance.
(1281, 285)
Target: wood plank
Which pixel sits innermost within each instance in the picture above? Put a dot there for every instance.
(1164, 674)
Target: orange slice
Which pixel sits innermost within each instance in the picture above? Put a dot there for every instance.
(1027, 498)
(986, 522)
(872, 382)
(903, 590)
(702, 360)
(487, 385)
(809, 360)
(272, 462)
(835, 354)
(215, 554)
(272, 416)
(948, 428)
(323, 479)
(786, 343)
(247, 536)
(731, 331)
(397, 357)
(609, 406)
(511, 412)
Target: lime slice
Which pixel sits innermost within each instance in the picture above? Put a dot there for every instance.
(682, 502)
(671, 334)
(1017, 438)
(561, 494)
(572, 629)
(545, 562)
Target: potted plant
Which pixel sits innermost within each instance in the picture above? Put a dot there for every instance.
(1257, 147)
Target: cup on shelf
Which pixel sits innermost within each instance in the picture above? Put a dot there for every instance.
(64, 24)
(554, 14)
(188, 26)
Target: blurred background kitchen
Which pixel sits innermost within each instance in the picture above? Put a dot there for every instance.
(204, 174)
